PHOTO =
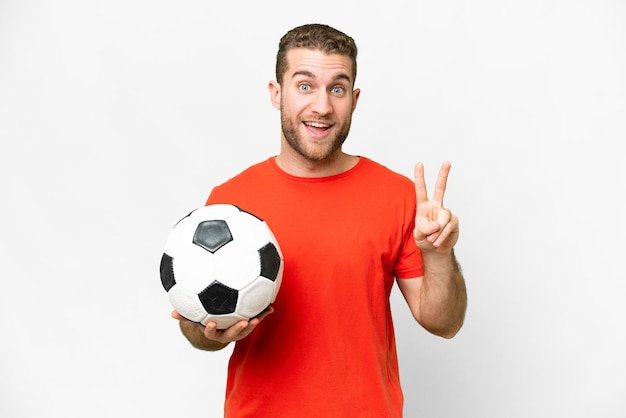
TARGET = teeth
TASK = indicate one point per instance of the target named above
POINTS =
(317, 125)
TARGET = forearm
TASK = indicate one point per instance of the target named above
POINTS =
(194, 332)
(443, 296)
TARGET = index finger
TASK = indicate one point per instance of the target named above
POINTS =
(442, 181)
(420, 184)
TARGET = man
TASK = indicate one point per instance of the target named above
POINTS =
(347, 227)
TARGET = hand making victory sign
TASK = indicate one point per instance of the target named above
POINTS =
(436, 228)
(438, 299)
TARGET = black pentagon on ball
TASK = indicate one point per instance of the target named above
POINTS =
(212, 235)
(219, 299)
(270, 261)
(167, 272)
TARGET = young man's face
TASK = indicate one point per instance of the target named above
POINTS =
(316, 100)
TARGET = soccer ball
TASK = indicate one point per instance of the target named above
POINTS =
(221, 264)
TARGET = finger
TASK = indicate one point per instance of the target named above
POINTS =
(210, 331)
(435, 232)
(426, 230)
(176, 315)
(252, 324)
(443, 221)
(448, 235)
(420, 184)
(225, 335)
(265, 312)
(442, 180)
(443, 217)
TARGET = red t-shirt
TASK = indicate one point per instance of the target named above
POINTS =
(329, 349)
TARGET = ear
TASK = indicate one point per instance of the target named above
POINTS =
(274, 89)
(355, 98)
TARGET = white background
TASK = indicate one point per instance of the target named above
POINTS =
(117, 117)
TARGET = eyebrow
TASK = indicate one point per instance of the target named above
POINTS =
(309, 74)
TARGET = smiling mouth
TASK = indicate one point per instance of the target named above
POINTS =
(317, 125)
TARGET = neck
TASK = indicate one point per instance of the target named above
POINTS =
(301, 167)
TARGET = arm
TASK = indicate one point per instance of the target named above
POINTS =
(438, 300)
(209, 338)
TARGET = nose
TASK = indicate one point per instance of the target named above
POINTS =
(321, 103)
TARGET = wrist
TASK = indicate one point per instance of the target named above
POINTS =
(442, 260)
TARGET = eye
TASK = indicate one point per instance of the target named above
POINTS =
(338, 90)
(304, 87)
